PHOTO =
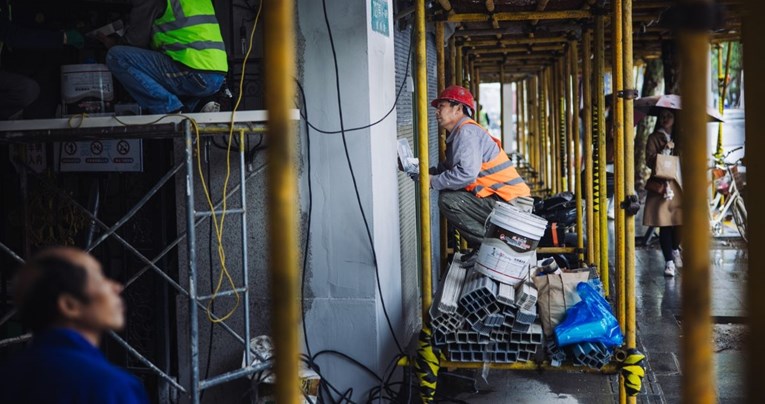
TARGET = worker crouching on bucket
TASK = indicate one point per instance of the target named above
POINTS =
(476, 173)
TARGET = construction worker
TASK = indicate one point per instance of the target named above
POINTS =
(65, 299)
(483, 117)
(18, 91)
(476, 173)
(171, 56)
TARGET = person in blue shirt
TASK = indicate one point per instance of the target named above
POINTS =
(64, 297)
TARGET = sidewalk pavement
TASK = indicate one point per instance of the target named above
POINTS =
(659, 335)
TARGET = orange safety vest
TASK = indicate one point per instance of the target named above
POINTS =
(497, 176)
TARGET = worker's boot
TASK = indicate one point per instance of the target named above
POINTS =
(220, 101)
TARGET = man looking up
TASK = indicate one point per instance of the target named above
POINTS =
(476, 173)
(64, 298)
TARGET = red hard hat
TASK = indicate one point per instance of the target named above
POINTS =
(456, 94)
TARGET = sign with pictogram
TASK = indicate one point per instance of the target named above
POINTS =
(96, 147)
(121, 155)
(123, 147)
(70, 148)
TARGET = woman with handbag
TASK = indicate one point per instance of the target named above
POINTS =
(663, 204)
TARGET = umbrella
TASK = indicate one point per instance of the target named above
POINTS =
(652, 105)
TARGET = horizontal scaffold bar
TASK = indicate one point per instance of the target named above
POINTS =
(520, 16)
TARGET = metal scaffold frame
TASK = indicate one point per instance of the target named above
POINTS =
(187, 128)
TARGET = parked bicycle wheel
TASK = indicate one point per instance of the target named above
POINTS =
(739, 216)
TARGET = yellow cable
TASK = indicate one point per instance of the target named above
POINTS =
(218, 226)
(82, 117)
(219, 229)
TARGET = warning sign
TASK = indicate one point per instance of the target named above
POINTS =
(122, 155)
(96, 147)
(30, 155)
(123, 147)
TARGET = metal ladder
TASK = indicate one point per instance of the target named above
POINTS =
(195, 301)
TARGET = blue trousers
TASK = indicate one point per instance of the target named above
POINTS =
(157, 82)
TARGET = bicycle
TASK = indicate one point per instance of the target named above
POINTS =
(725, 195)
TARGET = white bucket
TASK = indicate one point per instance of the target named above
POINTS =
(519, 230)
(86, 88)
(498, 261)
(524, 203)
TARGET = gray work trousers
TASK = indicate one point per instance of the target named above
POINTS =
(466, 212)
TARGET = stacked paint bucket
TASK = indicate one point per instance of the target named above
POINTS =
(510, 242)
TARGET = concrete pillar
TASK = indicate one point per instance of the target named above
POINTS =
(344, 308)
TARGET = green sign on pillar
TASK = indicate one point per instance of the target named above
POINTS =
(380, 17)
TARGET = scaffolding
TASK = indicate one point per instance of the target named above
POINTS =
(187, 128)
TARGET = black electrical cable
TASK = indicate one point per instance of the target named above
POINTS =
(353, 178)
(326, 387)
(393, 108)
(308, 222)
(210, 260)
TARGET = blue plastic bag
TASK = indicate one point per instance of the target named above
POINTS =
(590, 320)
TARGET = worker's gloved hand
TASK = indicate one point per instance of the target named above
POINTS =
(107, 41)
(415, 177)
(74, 38)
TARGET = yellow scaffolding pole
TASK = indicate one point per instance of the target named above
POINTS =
(283, 196)
(421, 108)
(460, 77)
(441, 78)
(536, 107)
(577, 166)
(468, 77)
(522, 49)
(502, 108)
(608, 369)
(472, 78)
(554, 128)
(754, 31)
(619, 190)
(587, 120)
(618, 130)
(520, 16)
(561, 140)
(600, 120)
(722, 83)
(525, 115)
(522, 135)
(477, 80)
(531, 100)
(452, 61)
(629, 181)
(499, 43)
(698, 381)
(546, 115)
(542, 123)
(569, 106)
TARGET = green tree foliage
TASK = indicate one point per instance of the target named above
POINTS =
(733, 93)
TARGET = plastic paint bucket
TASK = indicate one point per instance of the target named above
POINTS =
(498, 261)
(521, 231)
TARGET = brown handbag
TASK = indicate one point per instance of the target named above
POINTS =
(656, 186)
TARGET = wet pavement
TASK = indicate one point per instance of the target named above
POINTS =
(659, 320)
